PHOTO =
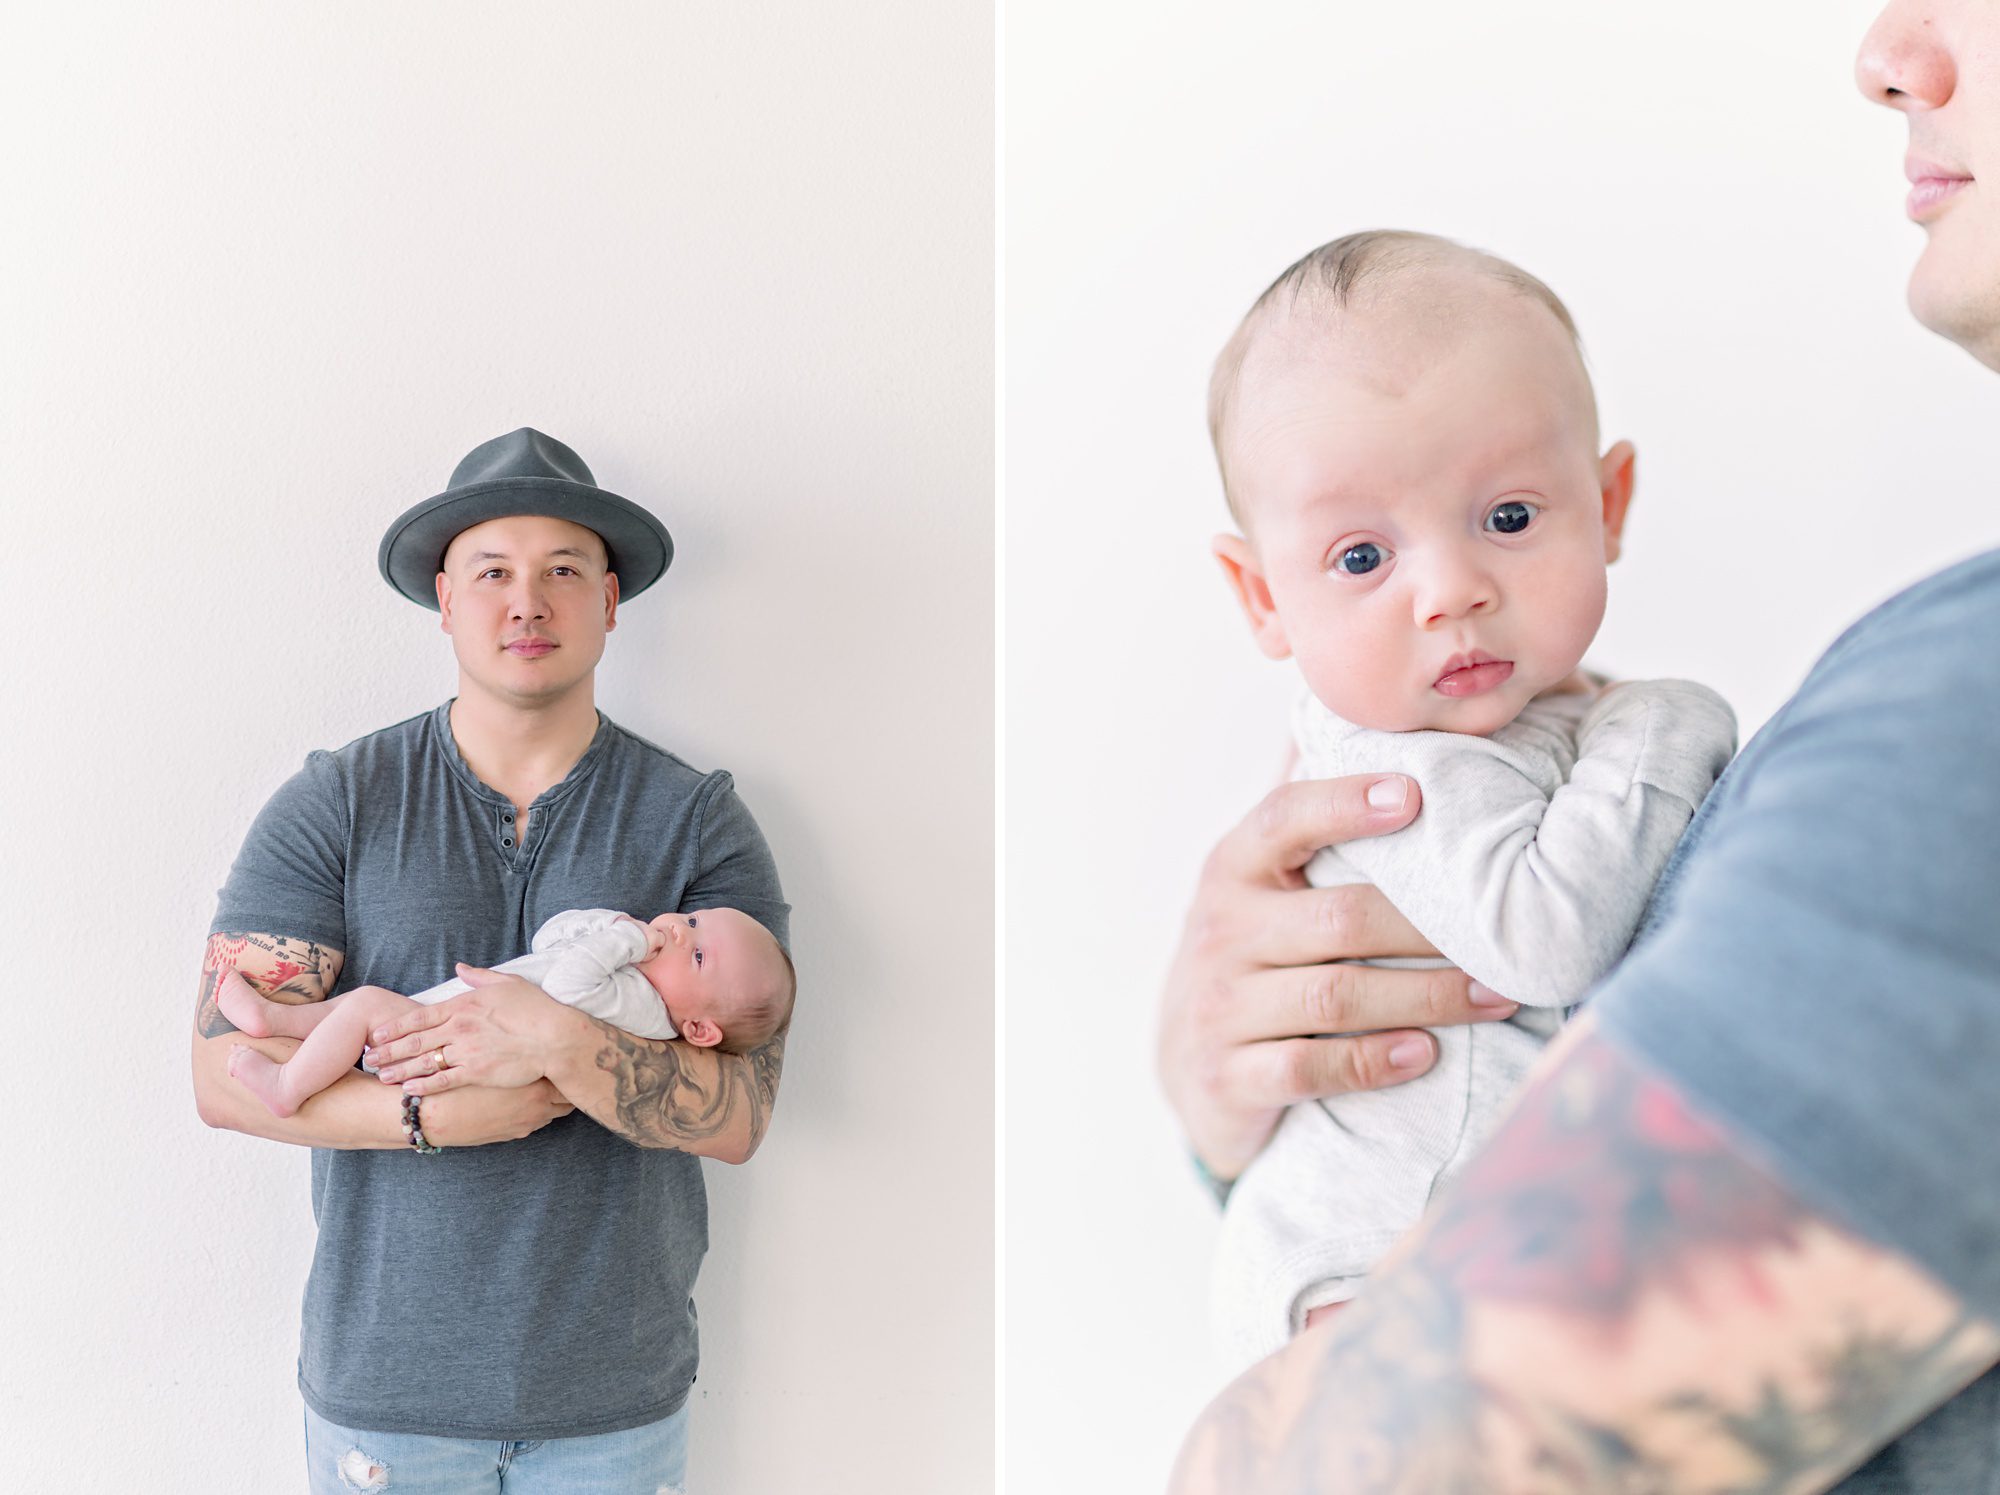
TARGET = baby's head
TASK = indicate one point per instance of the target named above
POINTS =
(1408, 441)
(726, 983)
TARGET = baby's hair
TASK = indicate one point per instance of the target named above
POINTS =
(763, 1018)
(1331, 277)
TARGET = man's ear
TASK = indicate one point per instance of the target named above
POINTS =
(700, 1032)
(443, 584)
(1245, 575)
(1616, 473)
(610, 600)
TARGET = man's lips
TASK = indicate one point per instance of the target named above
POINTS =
(530, 648)
(1472, 674)
(1931, 186)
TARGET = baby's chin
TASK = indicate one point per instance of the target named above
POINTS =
(1480, 716)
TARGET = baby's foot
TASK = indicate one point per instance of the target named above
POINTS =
(242, 1006)
(262, 1077)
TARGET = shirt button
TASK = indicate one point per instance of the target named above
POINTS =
(509, 818)
(507, 841)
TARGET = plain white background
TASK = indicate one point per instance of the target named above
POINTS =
(1722, 213)
(268, 273)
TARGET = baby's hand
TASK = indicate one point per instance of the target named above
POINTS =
(655, 940)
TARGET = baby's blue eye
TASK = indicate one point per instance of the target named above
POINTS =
(690, 921)
(697, 955)
(1510, 518)
(1359, 560)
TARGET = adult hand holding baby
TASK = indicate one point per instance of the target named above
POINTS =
(500, 1033)
(1254, 981)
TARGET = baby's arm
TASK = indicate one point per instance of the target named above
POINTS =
(1539, 897)
(595, 974)
(573, 924)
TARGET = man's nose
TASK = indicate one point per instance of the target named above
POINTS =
(528, 602)
(1903, 63)
(1452, 589)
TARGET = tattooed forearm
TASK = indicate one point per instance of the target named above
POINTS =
(1612, 1299)
(663, 1096)
(283, 969)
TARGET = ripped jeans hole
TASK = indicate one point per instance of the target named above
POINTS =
(359, 1472)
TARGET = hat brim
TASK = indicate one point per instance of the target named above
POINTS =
(412, 551)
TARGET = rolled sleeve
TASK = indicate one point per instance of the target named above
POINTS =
(290, 876)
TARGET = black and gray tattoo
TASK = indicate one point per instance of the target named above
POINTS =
(662, 1101)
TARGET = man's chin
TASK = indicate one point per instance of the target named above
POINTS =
(1961, 304)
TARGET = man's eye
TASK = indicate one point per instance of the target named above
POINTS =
(489, 571)
(1510, 518)
(1359, 560)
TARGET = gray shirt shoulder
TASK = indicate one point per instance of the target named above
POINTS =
(1821, 969)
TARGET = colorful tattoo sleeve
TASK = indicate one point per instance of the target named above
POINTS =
(1611, 1299)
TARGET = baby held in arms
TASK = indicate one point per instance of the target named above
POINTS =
(1408, 442)
(714, 978)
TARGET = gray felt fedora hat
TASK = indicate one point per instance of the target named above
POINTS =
(523, 472)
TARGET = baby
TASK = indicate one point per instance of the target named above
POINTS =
(715, 978)
(1408, 441)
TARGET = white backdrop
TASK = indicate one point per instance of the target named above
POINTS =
(1723, 214)
(266, 273)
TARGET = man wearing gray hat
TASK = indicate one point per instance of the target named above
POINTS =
(498, 1282)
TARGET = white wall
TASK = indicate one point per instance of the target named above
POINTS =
(268, 273)
(1723, 214)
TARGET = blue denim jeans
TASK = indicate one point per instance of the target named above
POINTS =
(649, 1460)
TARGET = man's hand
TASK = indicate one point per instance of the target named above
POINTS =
(474, 1117)
(499, 1033)
(1252, 983)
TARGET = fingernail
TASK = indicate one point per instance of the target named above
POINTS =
(1388, 794)
(380, 1035)
(1409, 1053)
(1485, 996)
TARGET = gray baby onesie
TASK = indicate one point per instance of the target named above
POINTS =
(1528, 866)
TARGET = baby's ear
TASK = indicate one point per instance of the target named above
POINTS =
(1245, 575)
(1617, 471)
(700, 1032)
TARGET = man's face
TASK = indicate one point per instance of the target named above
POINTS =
(1938, 63)
(527, 602)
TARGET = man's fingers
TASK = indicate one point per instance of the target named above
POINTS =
(1306, 926)
(412, 1046)
(1294, 820)
(444, 1079)
(416, 1021)
(1303, 1069)
(1310, 1001)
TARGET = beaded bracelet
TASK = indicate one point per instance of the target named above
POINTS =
(1218, 1188)
(413, 1126)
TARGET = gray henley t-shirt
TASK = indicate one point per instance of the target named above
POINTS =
(531, 1289)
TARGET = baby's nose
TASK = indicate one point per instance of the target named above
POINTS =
(677, 931)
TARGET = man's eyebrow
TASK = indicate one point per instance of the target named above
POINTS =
(496, 555)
